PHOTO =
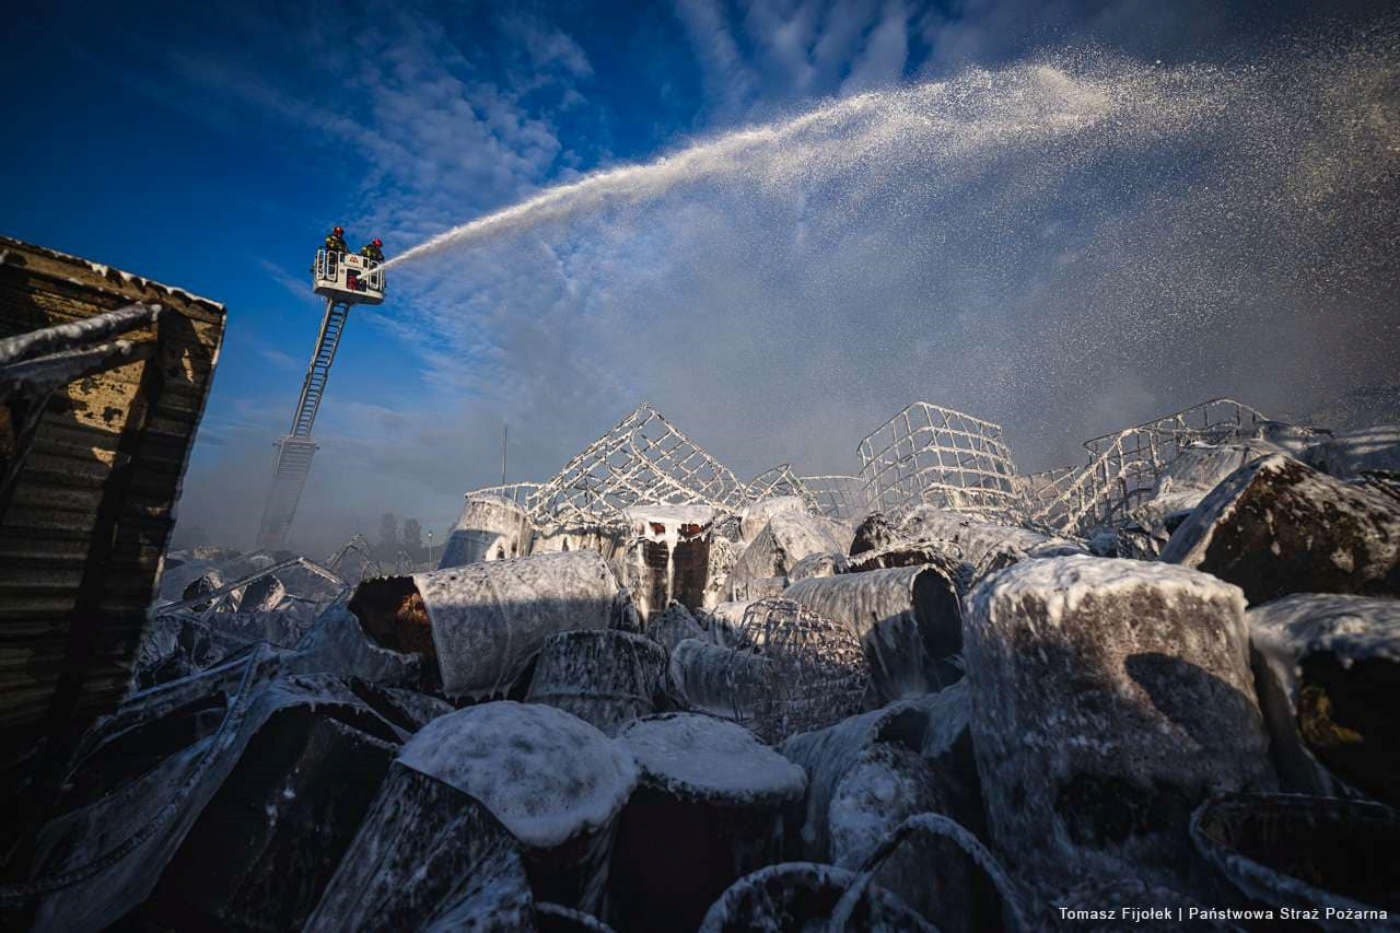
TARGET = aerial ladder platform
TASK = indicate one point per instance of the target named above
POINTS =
(344, 280)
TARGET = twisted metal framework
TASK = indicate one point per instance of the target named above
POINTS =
(843, 497)
(643, 460)
(927, 455)
(1124, 467)
(814, 671)
(780, 481)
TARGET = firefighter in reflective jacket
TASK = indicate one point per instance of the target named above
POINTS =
(373, 250)
(335, 242)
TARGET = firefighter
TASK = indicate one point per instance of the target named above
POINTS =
(373, 250)
(335, 243)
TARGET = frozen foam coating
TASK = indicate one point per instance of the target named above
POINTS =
(701, 756)
(546, 775)
(1062, 583)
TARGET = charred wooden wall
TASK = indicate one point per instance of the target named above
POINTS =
(92, 508)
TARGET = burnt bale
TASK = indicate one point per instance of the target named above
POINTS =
(803, 896)
(603, 677)
(555, 782)
(786, 539)
(428, 856)
(1109, 698)
(1277, 526)
(704, 815)
(674, 626)
(968, 537)
(1328, 669)
(875, 533)
(909, 621)
(915, 554)
(222, 802)
(481, 625)
(757, 516)
(1307, 853)
(1348, 456)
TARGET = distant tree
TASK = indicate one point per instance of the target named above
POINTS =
(388, 536)
(413, 540)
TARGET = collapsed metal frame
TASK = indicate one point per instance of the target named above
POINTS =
(930, 455)
(1124, 466)
(642, 460)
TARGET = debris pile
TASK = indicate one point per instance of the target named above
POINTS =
(644, 695)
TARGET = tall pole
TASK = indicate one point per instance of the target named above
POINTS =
(505, 433)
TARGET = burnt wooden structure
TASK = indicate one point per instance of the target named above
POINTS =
(103, 380)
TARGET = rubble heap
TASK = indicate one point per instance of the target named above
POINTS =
(646, 696)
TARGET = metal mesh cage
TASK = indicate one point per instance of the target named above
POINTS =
(927, 455)
(813, 670)
(644, 459)
(842, 497)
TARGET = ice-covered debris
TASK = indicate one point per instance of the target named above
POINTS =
(787, 538)
(802, 896)
(1109, 697)
(699, 757)
(1277, 526)
(755, 518)
(546, 775)
(232, 739)
(968, 537)
(491, 527)
(818, 565)
(907, 618)
(668, 557)
(336, 643)
(486, 621)
(1328, 668)
(674, 626)
(885, 785)
(1190, 477)
(911, 554)
(604, 677)
(875, 532)
(1307, 854)
(1348, 455)
(427, 856)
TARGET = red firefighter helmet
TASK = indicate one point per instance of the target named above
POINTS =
(338, 231)
(376, 242)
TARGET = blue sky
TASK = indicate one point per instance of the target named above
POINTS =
(212, 145)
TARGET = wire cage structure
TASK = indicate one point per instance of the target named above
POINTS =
(780, 481)
(1124, 467)
(929, 455)
(846, 498)
(794, 670)
(643, 460)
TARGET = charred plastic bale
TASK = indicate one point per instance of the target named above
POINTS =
(876, 532)
(802, 896)
(491, 528)
(965, 536)
(603, 677)
(428, 855)
(757, 516)
(338, 644)
(726, 619)
(1347, 456)
(788, 670)
(887, 784)
(1109, 698)
(215, 808)
(674, 626)
(484, 623)
(704, 815)
(908, 619)
(1307, 853)
(934, 726)
(786, 539)
(915, 554)
(818, 565)
(669, 558)
(1189, 478)
(1328, 670)
(1277, 527)
(555, 782)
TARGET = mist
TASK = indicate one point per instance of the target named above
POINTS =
(1067, 245)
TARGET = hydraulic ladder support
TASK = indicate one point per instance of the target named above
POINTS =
(295, 450)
